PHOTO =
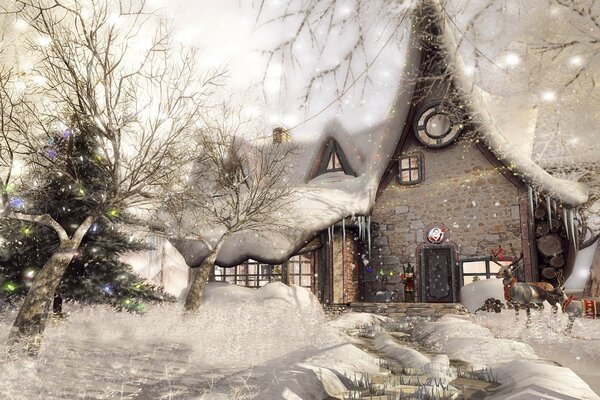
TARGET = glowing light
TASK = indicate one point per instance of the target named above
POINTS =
(20, 86)
(9, 287)
(548, 95)
(21, 25)
(512, 59)
(113, 212)
(26, 230)
(576, 61)
(44, 41)
(29, 274)
(38, 80)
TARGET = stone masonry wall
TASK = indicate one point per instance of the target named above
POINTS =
(461, 191)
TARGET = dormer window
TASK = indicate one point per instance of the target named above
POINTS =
(334, 160)
(410, 170)
(334, 163)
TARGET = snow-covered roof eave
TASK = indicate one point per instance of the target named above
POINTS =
(570, 193)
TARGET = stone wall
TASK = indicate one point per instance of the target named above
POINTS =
(462, 191)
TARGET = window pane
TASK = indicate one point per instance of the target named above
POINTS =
(404, 163)
(414, 162)
(252, 281)
(218, 271)
(294, 279)
(252, 269)
(230, 279)
(336, 161)
(241, 269)
(294, 268)
(405, 176)
(276, 278)
(305, 280)
(414, 175)
(265, 270)
(472, 267)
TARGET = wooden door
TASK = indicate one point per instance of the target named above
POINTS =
(438, 275)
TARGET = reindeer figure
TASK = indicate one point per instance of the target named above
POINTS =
(519, 294)
(577, 308)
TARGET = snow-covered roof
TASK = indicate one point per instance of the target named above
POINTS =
(506, 124)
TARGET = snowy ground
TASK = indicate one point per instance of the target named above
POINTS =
(275, 343)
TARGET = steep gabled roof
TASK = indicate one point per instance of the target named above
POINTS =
(321, 202)
(495, 129)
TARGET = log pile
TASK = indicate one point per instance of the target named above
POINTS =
(552, 241)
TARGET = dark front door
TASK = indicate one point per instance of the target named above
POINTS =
(437, 275)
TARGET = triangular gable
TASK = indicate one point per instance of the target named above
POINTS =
(334, 160)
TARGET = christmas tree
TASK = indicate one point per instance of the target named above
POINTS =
(96, 274)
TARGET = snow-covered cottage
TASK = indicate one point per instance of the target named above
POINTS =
(411, 207)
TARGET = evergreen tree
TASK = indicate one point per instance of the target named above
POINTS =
(95, 275)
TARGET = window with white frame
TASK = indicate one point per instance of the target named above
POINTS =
(475, 269)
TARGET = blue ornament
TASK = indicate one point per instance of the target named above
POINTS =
(107, 289)
(369, 269)
(66, 134)
(51, 153)
(17, 202)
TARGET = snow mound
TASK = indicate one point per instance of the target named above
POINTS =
(473, 295)
(483, 352)
(347, 359)
(274, 292)
(448, 327)
(525, 377)
(409, 358)
(462, 339)
(294, 295)
(353, 320)
(220, 292)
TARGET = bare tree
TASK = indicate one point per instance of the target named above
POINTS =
(122, 82)
(239, 183)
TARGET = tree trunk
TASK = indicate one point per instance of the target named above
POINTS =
(193, 300)
(26, 333)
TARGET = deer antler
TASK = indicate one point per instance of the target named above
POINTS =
(495, 255)
(514, 253)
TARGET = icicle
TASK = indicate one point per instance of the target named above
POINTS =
(565, 222)
(332, 233)
(362, 227)
(572, 225)
(369, 235)
(344, 231)
(329, 235)
(548, 208)
(530, 196)
(554, 206)
(535, 195)
(359, 220)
